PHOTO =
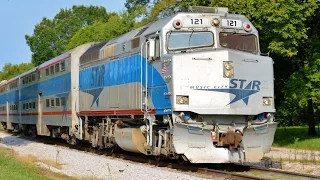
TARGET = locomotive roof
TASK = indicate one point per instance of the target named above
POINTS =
(142, 31)
(92, 52)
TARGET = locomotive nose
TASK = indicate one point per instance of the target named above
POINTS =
(231, 82)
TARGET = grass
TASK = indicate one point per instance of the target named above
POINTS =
(13, 166)
(296, 137)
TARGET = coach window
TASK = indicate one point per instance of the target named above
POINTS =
(52, 102)
(57, 102)
(30, 106)
(33, 77)
(30, 80)
(62, 65)
(57, 68)
(47, 72)
(47, 103)
(24, 106)
(34, 105)
(51, 70)
(63, 101)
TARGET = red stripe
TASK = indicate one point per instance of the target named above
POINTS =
(29, 114)
(43, 113)
(28, 74)
(115, 112)
(40, 68)
(54, 62)
(57, 112)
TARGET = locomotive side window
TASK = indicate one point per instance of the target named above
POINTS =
(189, 39)
(154, 48)
(238, 41)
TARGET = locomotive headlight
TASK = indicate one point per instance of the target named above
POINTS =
(215, 21)
(182, 99)
(228, 71)
(267, 101)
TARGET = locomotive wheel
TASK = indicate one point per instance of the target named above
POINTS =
(181, 161)
(158, 158)
(113, 149)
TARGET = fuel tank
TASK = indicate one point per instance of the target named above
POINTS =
(130, 139)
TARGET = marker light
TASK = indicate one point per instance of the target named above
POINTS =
(177, 24)
(216, 21)
(228, 71)
(247, 26)
(182, 99)
(267, 101)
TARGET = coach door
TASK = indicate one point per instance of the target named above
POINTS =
(40, 109)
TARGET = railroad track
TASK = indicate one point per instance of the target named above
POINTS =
(211, 171)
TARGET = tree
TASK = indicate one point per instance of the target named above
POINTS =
(11, 70)
(100, 31)
(288, 29)
(51, 37)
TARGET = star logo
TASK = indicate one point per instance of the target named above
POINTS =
(241, 93)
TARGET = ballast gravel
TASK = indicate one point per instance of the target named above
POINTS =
(87, 165)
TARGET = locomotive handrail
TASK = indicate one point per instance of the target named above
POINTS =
(141, 59)
(146, 70)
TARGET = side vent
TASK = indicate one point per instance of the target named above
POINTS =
(108, 51)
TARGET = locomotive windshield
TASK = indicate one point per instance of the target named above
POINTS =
(238, 41)
(190, 39)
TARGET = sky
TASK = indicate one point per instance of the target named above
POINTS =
(19, 17)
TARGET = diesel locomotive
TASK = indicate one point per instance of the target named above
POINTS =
(193, 86)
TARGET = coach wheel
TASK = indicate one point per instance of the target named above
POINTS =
(32, 131)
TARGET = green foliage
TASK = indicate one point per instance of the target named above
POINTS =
(13, 169)
(51, 37)
(295, 137)
(100, 31)
(137, 8)
(281, 24)
(11, 70)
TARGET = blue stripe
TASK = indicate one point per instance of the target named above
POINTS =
(126, 71)
(56, 85)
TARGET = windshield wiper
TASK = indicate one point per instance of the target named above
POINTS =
(190, 39)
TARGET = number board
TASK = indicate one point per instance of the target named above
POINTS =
(231, 23)
(196, 22)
